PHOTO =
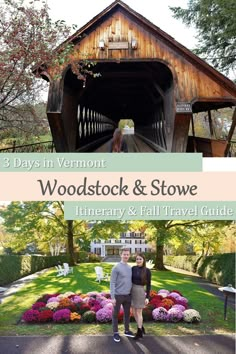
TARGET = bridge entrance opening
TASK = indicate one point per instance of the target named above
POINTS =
(139, 90)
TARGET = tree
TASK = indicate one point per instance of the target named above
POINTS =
(206, 238)
(216, 30)
(28, 42)
(27, 37)
(43, 224)
(161, 231)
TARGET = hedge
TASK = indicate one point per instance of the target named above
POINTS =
(15, 267)
(188, 263)
(148, 255)
(219, 269)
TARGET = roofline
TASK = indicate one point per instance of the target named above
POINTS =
(193, 58)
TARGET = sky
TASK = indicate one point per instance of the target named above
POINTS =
(157, 11)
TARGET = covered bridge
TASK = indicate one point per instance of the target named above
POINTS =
(146, 76)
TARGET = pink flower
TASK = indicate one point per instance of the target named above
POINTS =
(174, 315)
(159, 314)
(104, 315)
(31, 316)
(38, 305)
(62, 316)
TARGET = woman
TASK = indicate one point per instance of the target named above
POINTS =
(117, 143)
(141, 276)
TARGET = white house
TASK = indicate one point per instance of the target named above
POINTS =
(135, 241)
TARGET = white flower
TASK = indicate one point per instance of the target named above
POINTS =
(191, 315)
(52, 305)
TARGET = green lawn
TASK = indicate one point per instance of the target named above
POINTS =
(83, 280)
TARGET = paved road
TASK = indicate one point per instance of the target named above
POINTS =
(212, 344)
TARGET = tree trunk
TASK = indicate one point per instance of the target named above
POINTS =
(159, 261)
(70, 242)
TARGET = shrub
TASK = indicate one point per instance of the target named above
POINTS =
(104, 315)
(62, 316)
(219, 269)
(82, 308)
(159, 314)
(174, 315)
(147, 314)
(75, 317)
(13, 267)
(31, 316)
(45, 316)
(89, 317)
(191, 316)
(38, 305)
(94, 258)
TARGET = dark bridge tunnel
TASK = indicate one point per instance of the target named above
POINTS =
(141, 91)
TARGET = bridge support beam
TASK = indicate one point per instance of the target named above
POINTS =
(181, 129)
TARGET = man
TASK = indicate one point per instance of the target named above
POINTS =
(120, 286)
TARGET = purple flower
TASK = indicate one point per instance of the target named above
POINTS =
(31, 316)
(174, 295)
(106, 294)
(104, 315)
(179, 307)
(38, 305)
(62, 316)
(53, 299)
(96, 307)
(174, 315)
(182, 301)
(159, 314)
(109, 306)
(77, 299)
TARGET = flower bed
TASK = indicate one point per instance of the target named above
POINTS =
(164, 305)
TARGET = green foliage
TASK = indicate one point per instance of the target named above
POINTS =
(219, 269)
(188, 263)
(93, 258)
(148, 255)
(216, 30)
(82, 256)
(41, 223)
(16, 267)
(106, 229)
(124, 122)
(89, 317)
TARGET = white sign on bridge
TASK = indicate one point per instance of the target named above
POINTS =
(183, 107)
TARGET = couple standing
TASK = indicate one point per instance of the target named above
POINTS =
(127, 289)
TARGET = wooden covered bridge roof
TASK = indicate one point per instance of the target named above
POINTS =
(144, 72)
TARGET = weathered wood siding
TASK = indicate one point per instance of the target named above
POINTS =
(191, 81)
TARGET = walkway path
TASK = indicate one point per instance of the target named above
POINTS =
(16, 285)
(76, 344)
(210, 287)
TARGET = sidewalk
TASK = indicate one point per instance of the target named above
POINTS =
(16, 285)
(76, 344)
